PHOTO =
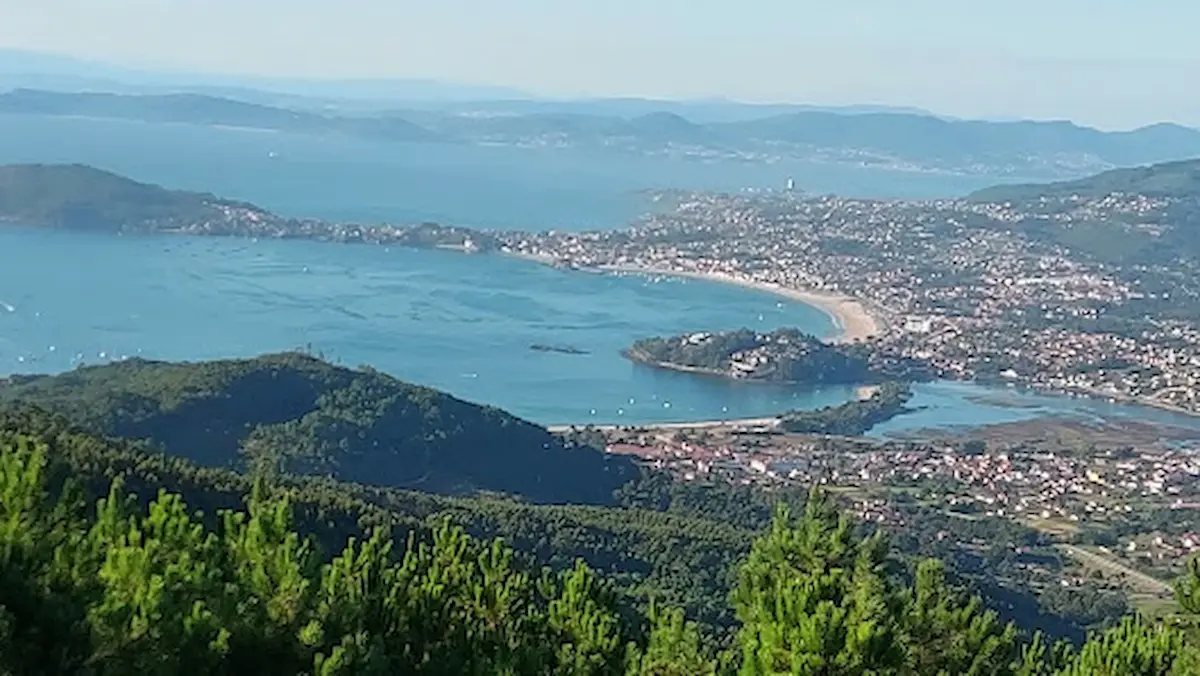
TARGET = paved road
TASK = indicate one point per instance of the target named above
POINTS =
(1142, 581)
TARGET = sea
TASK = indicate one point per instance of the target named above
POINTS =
(463, 323)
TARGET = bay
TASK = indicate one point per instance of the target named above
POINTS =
(459, 323)
(339, 178)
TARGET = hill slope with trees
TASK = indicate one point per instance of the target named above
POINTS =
(118, 587)
(1166, 179)
(297, 414)
(79, 197)
(1140, 216)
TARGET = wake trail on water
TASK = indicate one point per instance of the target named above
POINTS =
(6, 307)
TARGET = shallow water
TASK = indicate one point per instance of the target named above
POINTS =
(457, 322)
(460, 323)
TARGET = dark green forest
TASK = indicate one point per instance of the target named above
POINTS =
(120, 585)
(296, 414)
(854, 417)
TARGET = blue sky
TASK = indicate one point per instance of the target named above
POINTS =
(1110, 63)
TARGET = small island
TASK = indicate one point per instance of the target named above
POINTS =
(782, 356)
(786, 355)
(790, 356)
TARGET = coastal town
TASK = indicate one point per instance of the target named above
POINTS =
(1134, 505)
(957, 284)
(970, 289)
(966, 287)
(975, 289)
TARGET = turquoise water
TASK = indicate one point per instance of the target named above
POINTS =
(949, 404)
(459, 323)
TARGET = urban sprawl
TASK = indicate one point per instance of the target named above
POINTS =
(955, 283)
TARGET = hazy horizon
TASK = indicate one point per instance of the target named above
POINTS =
(1102, 63)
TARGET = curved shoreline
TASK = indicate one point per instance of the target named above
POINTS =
(852, 320)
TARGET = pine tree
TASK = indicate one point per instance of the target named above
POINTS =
(815, 599)
(584, 619)
(273, 569)
(1135, 647)
(674, 648)
(163, 592)
(953, 635)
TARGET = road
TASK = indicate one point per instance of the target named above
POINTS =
(1141, 581)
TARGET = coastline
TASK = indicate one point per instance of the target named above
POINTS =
(852, 320)
(758, 423)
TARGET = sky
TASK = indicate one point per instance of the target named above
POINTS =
(1107, 63)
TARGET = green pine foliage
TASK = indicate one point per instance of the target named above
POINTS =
(121, 590)
(122, 587)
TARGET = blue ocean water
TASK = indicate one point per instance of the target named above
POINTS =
(460, 323)
(348, 179)
(457, 322)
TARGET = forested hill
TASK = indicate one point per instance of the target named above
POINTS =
(151, 586)
(79, 197)
(1168, 179)
(298, 414)
(1144, 216)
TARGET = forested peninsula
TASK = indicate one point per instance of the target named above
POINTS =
(82, 198)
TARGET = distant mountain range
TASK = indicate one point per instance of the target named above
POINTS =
(24, 69)
(32, 70)
(886, 137)
(902, 141)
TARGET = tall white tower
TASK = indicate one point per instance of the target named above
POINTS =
(791, 185)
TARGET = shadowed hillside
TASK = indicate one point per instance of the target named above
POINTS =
(298, 414)
(79, 197)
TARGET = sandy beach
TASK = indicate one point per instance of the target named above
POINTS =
(852, 319)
